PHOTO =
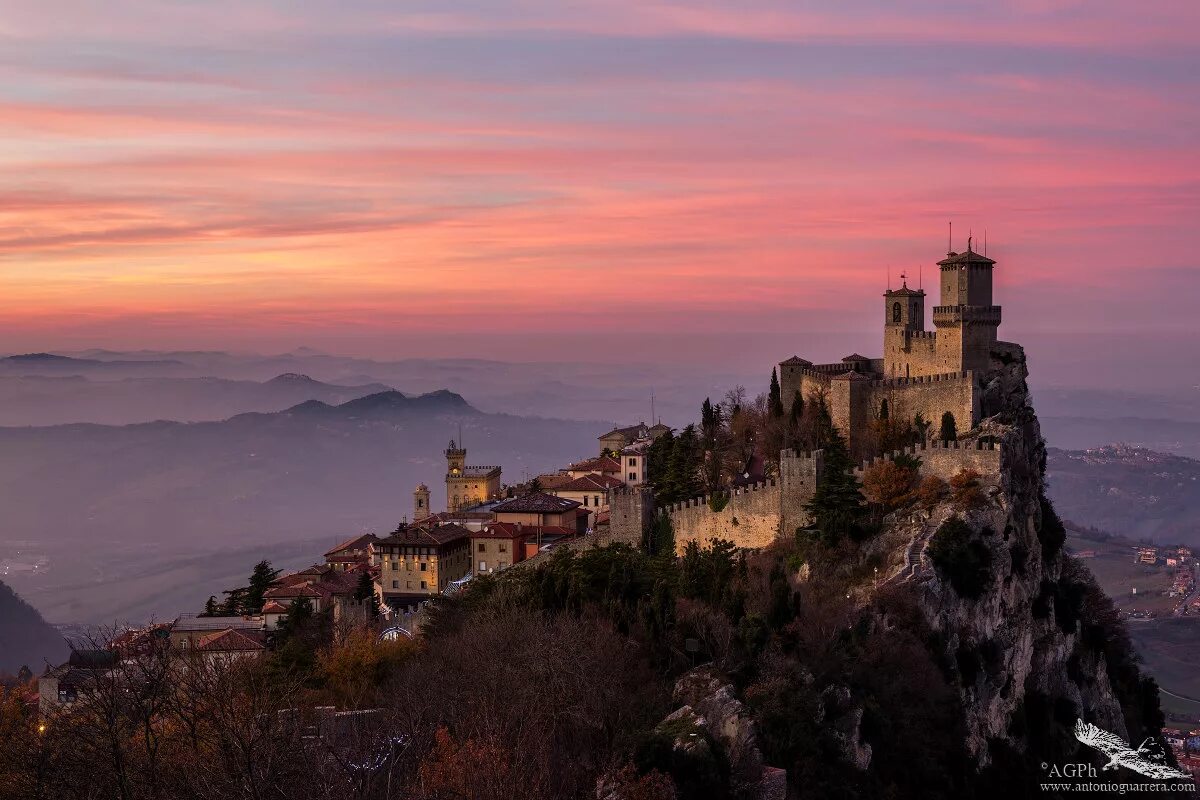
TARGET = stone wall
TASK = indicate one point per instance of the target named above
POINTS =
(929, 395)
(798, 474)
(750, 518)
(947, 459)
(630, 510)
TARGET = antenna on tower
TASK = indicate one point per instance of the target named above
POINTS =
(921, 277)
(653, 421)
(985, 241)
(889, 277)
(461, 446)
(950, 239)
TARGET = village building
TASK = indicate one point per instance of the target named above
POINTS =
(601, 465)
(497, 547)
(417, 562)
(543, 509)
(618, 439)
(231, 645)
(590, 491)
(351, 552)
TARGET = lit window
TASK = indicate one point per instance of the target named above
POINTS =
(483, 566)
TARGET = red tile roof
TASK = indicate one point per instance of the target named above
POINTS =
(232, 640)
(511, 530)
(274, 607)
(593, 482)
(597, 464)
(357, 543)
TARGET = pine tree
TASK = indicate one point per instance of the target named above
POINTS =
(683, 471)
(235, 601)
(949, 431)
(260, 580)
(775, 398)
(837, 506)
(211, 608)
(658, 459)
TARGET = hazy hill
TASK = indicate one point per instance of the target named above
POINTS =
(45, 399)
(1127, 490)
(103, 502)
(25, 638)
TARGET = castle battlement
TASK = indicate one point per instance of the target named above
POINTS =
(704, 499)
(929, 335)
(965, 375)
(946, 459)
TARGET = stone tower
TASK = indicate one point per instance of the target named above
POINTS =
(421, 507)
(456, 459)
(966, 320)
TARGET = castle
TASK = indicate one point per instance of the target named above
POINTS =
(930, 373)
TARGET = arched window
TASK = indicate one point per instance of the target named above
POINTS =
(896, 313)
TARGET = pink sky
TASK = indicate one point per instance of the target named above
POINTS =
(267, 175)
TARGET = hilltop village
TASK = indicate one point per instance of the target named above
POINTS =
(921, 400)
(714, 603)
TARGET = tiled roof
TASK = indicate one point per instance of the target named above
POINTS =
(597, 464)
(904, 291)
(274, 607)
(966, 257)
(855, 357)
(292, 592)
(553, 480)
(797, 361)
(536, 503)
(231, 640)
(509, 530)
(357, 543)
(426, 536)
(593, 482)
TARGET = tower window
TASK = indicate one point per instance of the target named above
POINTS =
(897, 313)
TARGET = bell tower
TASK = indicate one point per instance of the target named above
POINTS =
(421, 508)
(903, 321)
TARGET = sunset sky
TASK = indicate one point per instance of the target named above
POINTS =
(371, 176)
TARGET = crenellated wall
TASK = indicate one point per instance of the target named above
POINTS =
(947, 459)
(750, 518)
(630, 510)
(929, 395)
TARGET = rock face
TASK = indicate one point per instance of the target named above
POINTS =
(1006, 642)
(708, 704)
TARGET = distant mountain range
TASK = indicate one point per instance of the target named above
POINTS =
(105, 503)
(1131, 491)
(66, 394)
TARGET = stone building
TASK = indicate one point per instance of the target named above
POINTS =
(465, 485)
(924, 372)
(417, 562)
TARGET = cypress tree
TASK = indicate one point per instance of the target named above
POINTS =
(775, 398)
(949, 432)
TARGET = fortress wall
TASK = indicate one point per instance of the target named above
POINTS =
(930, 395)
(629, 513)
(798, 473)
(750, 518)
(805, 379)
(947, 459)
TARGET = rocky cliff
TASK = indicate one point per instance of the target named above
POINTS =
(1033, 644)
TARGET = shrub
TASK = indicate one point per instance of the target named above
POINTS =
(961, 558)
(931, 491)
(967, 490)
(717, 502)
(888, 484)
